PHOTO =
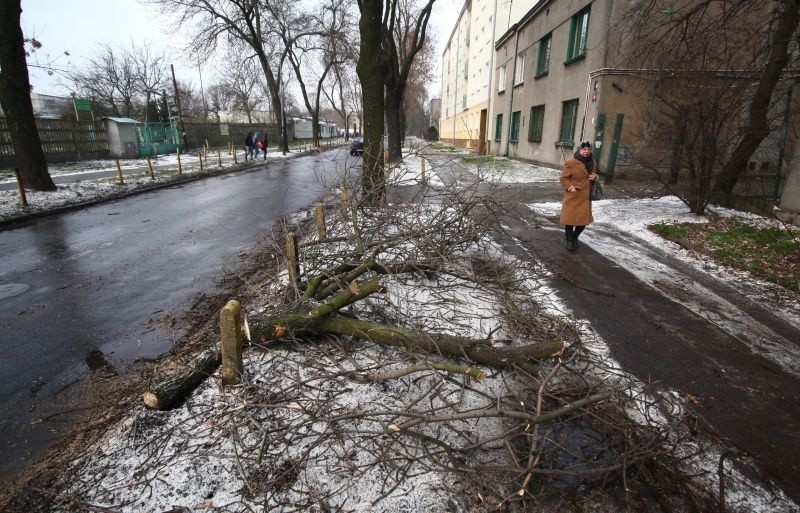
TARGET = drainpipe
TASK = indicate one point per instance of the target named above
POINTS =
(784, 132)
(458, 74)
(511, 96)
(491, 81)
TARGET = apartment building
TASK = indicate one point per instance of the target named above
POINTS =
(468, 67)
(564, 71)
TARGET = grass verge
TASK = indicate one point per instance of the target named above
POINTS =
(770, 253)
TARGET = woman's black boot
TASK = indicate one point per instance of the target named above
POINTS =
(569, 242)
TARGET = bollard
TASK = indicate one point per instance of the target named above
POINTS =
(150, 167)
(230, 330)
(423, 169)
(320, 217)
(235, 160)
(293, 261)
(200, 156)
(119, 173)
(219, 157)
(22, 197)
(180, 169)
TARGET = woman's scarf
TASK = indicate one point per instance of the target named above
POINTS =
(587, 161)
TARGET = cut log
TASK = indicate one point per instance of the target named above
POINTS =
(170, 391)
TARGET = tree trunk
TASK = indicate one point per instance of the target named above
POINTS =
(394, 124)
(15, 98)
(758, 127)
(172, 390)
(371, 69)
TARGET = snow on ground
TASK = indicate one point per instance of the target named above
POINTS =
(189, 457)
(79, 191)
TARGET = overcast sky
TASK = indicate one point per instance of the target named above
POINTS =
(79, 27)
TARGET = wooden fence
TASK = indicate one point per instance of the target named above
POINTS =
(62, 140)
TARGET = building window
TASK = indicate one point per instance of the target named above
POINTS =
(578, 34)
(514, 134)
(498, 127)
(543, 60)
(501, 79)
(569, 116)
(536, 123)
(519, 69)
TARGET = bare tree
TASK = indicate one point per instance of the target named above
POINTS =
(405, 37)
(373, 65)
(151, 72)
(342, 89)
(749, 44)
(15, 99)
(245, 22)
(110, 80)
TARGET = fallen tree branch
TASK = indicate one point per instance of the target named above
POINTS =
(399, 373)
(479, 351)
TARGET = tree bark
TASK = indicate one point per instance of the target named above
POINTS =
(758, 127)
(15, 98)
(371, 69)
(170, 391)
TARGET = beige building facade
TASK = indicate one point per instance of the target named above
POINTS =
(468, 68)
(566, 71)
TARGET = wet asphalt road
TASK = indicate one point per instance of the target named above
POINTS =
(100, 286)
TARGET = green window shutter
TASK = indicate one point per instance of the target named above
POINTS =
(569, 115)
(578, 35)
(514, 134)
(498, 127)
(543, 60)
(536, 124)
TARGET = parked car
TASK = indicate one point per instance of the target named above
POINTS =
(357, 146)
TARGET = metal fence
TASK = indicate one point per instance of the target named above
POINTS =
(156, 138)
(62, 139)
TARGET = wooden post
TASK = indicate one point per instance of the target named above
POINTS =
(219, 157)
(150, 167)
(21, 186)
(293, 261)
(200, 156)
(320, 216)
(180, 169)
(235, 160)
(230, 329)
(423, 169)
(119, 173)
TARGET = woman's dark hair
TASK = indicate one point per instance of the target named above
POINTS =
(586, 144)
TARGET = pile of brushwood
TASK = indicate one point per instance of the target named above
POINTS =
(398, 360)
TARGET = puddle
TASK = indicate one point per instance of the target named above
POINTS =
(12, 289)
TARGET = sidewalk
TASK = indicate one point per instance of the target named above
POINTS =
(727, 351)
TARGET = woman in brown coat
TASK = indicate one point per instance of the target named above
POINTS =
(576, 209)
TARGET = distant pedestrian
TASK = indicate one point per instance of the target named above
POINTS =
(248, 145)
(265, 140)
(576, 209)
(257, 144)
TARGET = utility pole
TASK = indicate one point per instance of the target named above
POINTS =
(178, 104)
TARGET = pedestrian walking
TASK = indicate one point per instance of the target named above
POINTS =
(248, 145)
(257, 143)
(265, 141)
(576, 209)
